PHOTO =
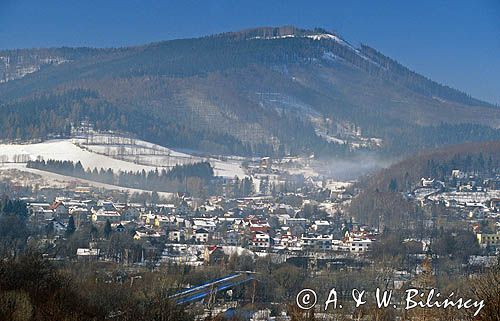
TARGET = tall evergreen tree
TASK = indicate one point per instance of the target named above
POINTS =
(70, 228)
(107, 229)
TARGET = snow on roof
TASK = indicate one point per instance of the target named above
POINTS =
(87, 252)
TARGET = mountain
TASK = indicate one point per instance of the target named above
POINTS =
(262, 91)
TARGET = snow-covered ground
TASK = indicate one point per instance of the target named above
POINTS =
(19, 173)
(119, 157)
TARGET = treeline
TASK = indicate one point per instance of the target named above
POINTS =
(410, 138)
(240, 187)
(176, 179)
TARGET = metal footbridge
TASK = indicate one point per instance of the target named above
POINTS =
(210, 288)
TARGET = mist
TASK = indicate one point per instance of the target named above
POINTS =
(353, 168)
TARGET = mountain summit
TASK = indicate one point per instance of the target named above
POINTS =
(276, 33)
(262, 91)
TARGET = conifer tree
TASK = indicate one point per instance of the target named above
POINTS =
(70, 228)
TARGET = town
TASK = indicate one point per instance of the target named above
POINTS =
(310, 222)
(192, 231)
(291, 221)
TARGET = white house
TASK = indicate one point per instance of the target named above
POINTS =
(358, 245)
(261, 240)
(316, 242)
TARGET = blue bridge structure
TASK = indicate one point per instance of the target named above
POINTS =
(210, 288)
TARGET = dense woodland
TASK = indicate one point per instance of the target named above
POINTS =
(13, 228)
(412, 138)
(52, 116)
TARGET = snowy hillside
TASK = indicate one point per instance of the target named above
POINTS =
(118, 156)
(19, 174)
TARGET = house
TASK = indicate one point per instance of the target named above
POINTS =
(261, 240)
(80, 215)
(120, 228)
(265, 163)
(291, 222)
(239, 225)
(357, 243)
(87, 254)
(477, 262)
(41, 215)
(213, 254)
(285, 239)
(495, 204)
(175, 235)
(321, 226)
(40, 211)
(130, 213)
(151, 219)
(34, 207)
(202, 223)
(426, 182)
(166, 209)
(259, 227)
(316, 242)
(339, 245)
(487, 240)
(201, 235)
(101, 216)
(457, 174)
(360, 245)
(60, 210)
(345, 195)
(105, 211)
(163, 221)
(146, 235)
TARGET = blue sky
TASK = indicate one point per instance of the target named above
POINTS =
(455, 42)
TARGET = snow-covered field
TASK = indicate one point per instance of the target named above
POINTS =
(19, 173)
(119, 157)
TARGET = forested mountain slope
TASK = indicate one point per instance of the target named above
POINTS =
(264, 91)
